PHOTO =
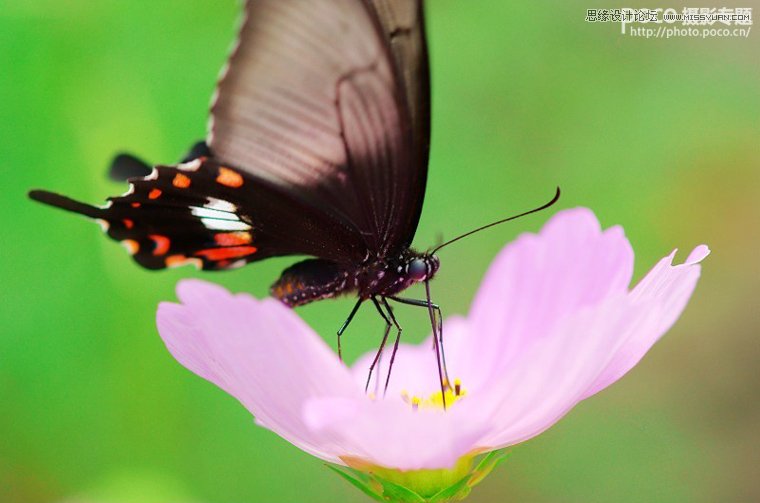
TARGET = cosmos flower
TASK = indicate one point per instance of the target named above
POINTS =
(553, 323)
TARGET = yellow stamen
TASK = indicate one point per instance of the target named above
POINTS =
(436, 400)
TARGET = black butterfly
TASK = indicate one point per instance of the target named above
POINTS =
(318, 146)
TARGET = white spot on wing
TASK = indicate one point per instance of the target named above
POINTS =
(218, 220)
(193, 165)
(225, 225)
(219, 205)
(152, 176)
(212, 213)
(129, 192)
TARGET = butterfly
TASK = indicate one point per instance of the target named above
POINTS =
(318, 145)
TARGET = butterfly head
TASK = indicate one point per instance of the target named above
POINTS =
(422, 267)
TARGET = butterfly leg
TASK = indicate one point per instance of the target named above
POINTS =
(382, 343)
(436, 321)
(395, 344)
(437, 328)
(346, 323)
(425, 304)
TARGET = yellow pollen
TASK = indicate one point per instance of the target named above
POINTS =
(436, 399)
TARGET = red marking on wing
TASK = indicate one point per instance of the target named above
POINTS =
(154, 194)
(227, 253)
(181, 181)
(162, 244)
(229, 178)
(136, 205)
(232, 238)
(128, 223)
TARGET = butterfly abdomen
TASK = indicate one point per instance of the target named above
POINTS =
(312, 280)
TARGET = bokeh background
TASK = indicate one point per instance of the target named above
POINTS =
(660, 136)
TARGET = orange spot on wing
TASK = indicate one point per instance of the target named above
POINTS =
(179, 260)
(175, 260)
(227, 253)
(135, 205)
(229, 178)
(232, 238)
(162, 244)
(131, 245)
(154, 194)
(128, 223)
(181, 181)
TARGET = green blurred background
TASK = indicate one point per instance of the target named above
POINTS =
(660, 136)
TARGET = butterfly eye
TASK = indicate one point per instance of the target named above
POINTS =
(417, 269)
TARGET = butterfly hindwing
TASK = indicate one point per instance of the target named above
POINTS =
(212, 216)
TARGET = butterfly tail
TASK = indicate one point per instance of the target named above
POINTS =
(66, 203)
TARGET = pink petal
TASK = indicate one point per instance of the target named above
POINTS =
(553, 374)
(390, 433)
(537, 281)
(697, 255)
(261, 353)
(666, 289)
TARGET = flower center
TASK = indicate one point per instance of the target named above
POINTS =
(436, 400)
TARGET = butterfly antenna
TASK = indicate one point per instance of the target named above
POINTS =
(492, 224)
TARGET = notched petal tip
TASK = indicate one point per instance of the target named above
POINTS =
(665, 292)
(698, 254)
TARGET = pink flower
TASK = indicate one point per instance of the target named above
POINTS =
(552, 324)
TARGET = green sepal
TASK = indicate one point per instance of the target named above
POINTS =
(398, 493)
(486, 465)
(381, 488)
(456, 492)
(363, 483)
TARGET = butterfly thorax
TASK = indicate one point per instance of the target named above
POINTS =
(316, 279)
(391, 276)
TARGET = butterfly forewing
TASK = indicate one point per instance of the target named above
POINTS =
(404, 26)
(313, 101)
